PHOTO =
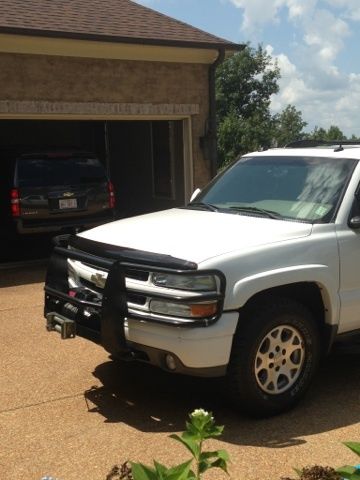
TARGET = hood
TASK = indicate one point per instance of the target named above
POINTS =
(195, 235)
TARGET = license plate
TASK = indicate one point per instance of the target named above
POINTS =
(67, 203)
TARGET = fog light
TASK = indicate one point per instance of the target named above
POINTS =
(170, 362)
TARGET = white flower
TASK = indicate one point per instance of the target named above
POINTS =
(200, 412)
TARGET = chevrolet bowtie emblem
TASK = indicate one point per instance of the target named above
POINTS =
(68, 194)
(98, 279)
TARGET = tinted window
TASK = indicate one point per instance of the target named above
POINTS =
(301, 188)
(37, 172)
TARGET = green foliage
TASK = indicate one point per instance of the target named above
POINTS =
(160, 472)
(289, 126)
(354, 446)
(245, 82)
(333, 133)
(200, 427)
(350, 472)
(244, 85)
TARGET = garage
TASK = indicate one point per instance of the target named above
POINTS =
(143, 159)
(134, 87)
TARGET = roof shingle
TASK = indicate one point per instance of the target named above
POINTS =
(111, 20)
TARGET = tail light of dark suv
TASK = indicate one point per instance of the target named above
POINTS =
(15, 202)
(111, 195)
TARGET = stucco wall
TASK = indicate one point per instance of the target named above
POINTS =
(69, 79)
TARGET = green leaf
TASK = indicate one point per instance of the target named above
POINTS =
(223, 454)
(161, 470)
(214, 431)
(188, 442)
(220, 463)
(192, 430)
(346, 471)
(349, 472)
(142, 472)
(215, 459)
(354, 446)
(205, 465)
(298, 471)
(179, 472)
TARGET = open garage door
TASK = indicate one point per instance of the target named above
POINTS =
(144, 159)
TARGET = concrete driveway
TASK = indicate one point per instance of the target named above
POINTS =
(66, 410)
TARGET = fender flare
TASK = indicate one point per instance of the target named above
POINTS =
(319, 274)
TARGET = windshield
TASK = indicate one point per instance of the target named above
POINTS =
(44, 172)
(297, 188)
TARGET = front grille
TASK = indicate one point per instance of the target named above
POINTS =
(90, 285)
(136, 299)
(137, 274)
(141, 275)
(131, 298)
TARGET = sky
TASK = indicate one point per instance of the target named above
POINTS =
(316, 44)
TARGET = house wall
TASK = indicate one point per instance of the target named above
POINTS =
(72, 79)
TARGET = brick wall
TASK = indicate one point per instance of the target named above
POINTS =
(70, 79)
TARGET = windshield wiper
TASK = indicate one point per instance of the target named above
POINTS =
(250, 209)
(205, 206)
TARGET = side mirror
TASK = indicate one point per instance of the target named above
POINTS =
(354, 222)
(195, 194)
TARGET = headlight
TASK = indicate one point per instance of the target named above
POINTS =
(198, 283)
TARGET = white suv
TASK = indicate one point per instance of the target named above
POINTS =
(253, 280)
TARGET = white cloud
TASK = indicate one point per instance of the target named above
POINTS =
(350, 8)
(320, 105)
(310, 77)
(257, 13)
(325, 34)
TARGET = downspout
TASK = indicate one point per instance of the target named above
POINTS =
(211, 133)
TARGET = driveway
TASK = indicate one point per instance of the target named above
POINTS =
(68, 411)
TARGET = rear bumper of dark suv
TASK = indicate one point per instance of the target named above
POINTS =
(31, 226)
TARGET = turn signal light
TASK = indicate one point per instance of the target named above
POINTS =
(15, 202)
(203, 310)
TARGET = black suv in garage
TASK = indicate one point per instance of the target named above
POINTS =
(53, 190)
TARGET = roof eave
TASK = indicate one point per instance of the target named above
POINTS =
(230, 46)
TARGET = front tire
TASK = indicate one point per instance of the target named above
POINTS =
(275, 354)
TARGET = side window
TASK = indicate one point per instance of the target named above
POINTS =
(355, 209)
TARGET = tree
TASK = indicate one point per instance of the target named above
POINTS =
(289, 126)
(333, 133)
(244, 85)
(354, 138)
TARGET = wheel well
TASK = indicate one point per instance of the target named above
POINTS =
(306, 293)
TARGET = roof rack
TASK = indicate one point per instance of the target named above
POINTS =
(319, 143)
